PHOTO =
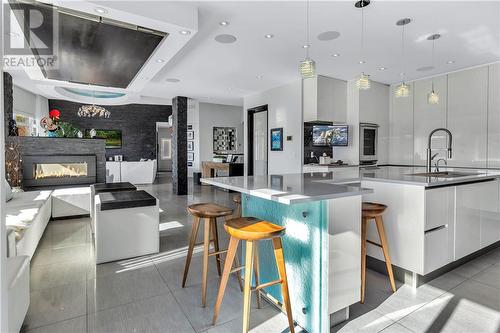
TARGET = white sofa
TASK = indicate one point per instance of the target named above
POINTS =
(139, 172)
(27, 215)
(18, 282)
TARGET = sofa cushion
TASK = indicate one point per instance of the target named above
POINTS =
(23, 208)
(8, 190)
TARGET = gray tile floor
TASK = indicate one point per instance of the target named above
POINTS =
(70, 294)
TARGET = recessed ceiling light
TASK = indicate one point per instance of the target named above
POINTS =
(160, 61)
(425, 68)
(172, 80)
(449, 62)
(328, 35)
(305, 46)
(185, 32)
(259, 77)
(382, 68)
(268, 36)
(336, 55)
(223, 23)
(361, 62)
(225, 39)
(100, 10)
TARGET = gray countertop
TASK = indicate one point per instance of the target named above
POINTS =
(288, 189)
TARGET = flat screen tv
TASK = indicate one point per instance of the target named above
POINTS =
(330, 135)
(113, 137)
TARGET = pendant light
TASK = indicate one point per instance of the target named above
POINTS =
(433, 97)
(307, 67)
(363, 80)
(403, 90)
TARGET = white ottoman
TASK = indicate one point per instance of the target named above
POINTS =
(126, 225)
(71, 202)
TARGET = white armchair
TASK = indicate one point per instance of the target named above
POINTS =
(18, 279)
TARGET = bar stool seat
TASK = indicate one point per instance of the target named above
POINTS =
(209, 212)
(374, 211)
(251, 230)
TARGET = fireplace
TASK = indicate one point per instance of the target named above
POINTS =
(54, 170)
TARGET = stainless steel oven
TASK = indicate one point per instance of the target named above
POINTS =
(368, 143)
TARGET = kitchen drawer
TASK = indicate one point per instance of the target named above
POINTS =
(438, 248)
(439, 207)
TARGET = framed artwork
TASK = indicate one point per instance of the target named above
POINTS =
(224, 140)
(190, 157)
(166, 149)
(277, 139)
(190, 164)
(190, 145)
(190, 127)
(190, 135)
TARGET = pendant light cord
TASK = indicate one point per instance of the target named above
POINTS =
(307, 29)
(362, 32)
(403, 54)
(433, 41)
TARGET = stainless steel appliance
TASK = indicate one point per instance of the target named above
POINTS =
(368, 143)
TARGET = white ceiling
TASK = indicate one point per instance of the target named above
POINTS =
(225, 73)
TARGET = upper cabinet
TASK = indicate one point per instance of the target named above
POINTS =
(468, 116)
(428, 117)
(401, 128)
(325, 99)
(494, 116)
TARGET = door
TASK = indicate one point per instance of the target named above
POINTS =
(164, 149)
(260, 143)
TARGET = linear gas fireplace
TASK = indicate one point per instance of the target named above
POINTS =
(54, 170)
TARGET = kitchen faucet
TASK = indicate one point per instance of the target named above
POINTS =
(429, 146)
(437, 163)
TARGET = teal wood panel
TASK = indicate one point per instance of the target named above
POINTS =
(304, 247)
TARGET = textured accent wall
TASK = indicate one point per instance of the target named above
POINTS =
(136, 121)
(179, 145)
(8, 101)
(32, 145)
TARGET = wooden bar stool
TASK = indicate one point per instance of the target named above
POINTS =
(374, 211)
(251, 230)
(237, 201)
(209, 212)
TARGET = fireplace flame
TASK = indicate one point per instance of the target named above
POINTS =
(56, 170)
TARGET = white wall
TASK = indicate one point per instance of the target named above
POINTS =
(218, 115)
(284, 110)
(468, 106)
(30, 105)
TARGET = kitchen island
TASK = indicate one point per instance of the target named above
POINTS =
(322, 241)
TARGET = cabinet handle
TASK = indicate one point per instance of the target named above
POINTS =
(436, 228)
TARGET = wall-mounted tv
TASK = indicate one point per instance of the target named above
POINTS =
(330, 135)
(113, 137)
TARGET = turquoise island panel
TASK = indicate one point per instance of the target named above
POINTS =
(305, 245)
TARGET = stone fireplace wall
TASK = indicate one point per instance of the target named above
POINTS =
(64, 146)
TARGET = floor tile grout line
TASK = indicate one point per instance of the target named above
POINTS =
(53, 323)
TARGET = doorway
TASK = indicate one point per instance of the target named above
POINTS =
(164, 147)
(257, 141)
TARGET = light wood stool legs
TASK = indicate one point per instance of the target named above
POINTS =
(192, 243)
(251, 259)
(385, 249)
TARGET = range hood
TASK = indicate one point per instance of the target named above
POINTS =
(94, 50)
(324, 100)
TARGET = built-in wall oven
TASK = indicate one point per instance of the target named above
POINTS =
(368, 143)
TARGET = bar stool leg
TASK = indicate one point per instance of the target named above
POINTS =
(206, 247)
(363, 258)
(236, 264)
(231, 255)
(192, 241)
(385, 249)
(280, 262)
(256, 269)
(213, 223)
(247, 293)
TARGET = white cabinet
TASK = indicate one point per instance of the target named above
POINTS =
(314, 168)
(428, 117)
(439, 228)
(490, 219)
(468, 219)
(325, 99)
(494, 116)
(401, 128)
(467, 116)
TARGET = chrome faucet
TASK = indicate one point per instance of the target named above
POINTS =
(437, 163)
(429, 146)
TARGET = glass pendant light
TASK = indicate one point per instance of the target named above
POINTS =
(363, 80)
(433, 97)
(403, 90)
(307, 67)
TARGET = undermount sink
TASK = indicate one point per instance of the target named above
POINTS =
(445, 174)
